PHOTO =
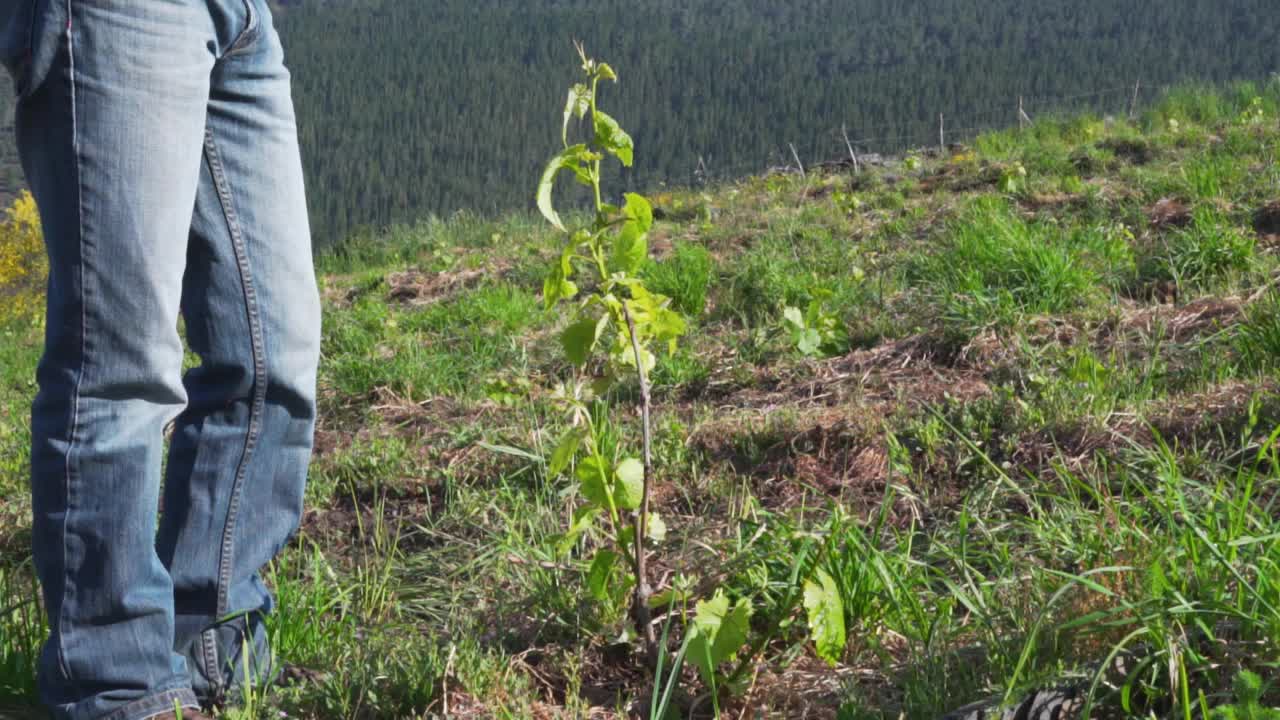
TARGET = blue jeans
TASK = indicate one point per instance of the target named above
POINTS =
(159, 140)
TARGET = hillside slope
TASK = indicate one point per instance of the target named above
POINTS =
(1038, 434)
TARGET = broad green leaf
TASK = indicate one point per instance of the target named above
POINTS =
(638, 209)
(734, 629)
(718, 632)
(809, 342)
(629, 489)
(667, 325)
(564, 452)
(826, 617)
(611, 137)
(579, 339)
(793, 318)
(630, 248)
(594, 478)
(606, 72)
(601, 573)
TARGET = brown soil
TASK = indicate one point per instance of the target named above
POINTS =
(418, 287)
(1185, 322)
(1133, 151)
(818, 431)
(1169, 213)
(1210, 420)
(1266, 222)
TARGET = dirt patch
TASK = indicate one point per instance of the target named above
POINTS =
(1137, 152)
(817, 430)
(1266, 222)
(1183, 322)
(1211, 421)
(1169, 213)
(1053, 201)
(961, 178)
(605, 674)
(914, 371)
(805, 689)
(418, 287)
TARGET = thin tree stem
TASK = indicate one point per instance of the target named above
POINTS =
(640, 607)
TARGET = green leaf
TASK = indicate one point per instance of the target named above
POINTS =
(793, 318)
(606, 72)
(573, 157)
(630, 248)
(624, 356)
(594, 478)
(718, 633)
(601, 573)
(565, 450)
(579, 103)
(611, 137)
(656, 528)
(809, 342)
(667, 325)
(583, 518)
(826, 617)
(580, 338)
(545, 186)
(629, 488)
(513, 451)
(557, 287)
(638, 210)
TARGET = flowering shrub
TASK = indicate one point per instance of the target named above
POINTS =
(23, 264)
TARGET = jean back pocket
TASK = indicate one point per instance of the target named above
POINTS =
(28, 42)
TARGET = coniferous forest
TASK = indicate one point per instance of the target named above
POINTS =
(409, 107)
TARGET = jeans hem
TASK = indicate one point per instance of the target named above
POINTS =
(155, 705)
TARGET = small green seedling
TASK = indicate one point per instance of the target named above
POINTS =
(816, 331)
(622, 321)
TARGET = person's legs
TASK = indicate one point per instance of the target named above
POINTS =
(148, 111)
(239, 454)
(111, 141)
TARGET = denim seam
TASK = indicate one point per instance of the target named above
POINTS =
(218, 173)
(74, 420)
(156, 704)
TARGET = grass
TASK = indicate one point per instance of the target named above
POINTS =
(1049, 452)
